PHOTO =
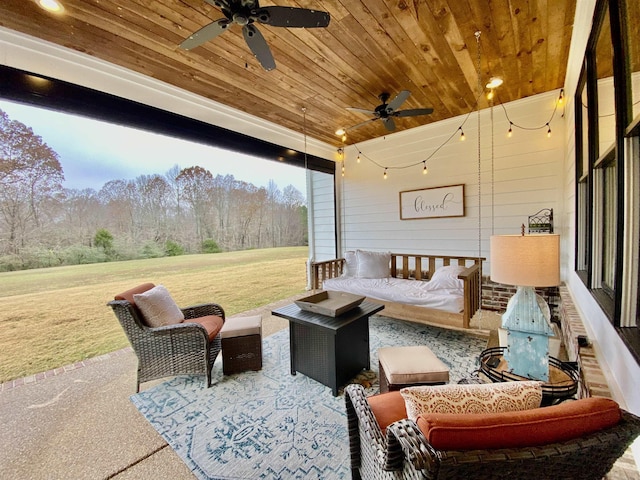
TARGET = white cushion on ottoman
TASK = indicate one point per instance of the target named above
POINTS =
(242, 326)
(412, 365)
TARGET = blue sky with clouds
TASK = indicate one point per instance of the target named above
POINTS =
(93, 152)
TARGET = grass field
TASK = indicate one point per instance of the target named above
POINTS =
(56, 316)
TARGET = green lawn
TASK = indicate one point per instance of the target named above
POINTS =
(56, 316)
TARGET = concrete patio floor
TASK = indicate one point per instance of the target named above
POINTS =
(79, 423)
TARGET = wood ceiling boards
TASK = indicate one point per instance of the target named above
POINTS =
(425, 46)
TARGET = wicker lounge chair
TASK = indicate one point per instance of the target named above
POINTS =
(180, 349)
(405, 453)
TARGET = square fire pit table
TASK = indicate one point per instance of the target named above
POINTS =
(331, 350)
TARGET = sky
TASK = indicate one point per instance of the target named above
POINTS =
(93, 152)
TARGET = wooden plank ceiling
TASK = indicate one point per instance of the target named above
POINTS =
(428, 47)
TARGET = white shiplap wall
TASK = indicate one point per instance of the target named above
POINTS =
(523, 175)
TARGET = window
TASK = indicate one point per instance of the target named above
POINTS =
(607, 166)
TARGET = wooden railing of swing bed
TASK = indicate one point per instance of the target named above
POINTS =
(418, 267)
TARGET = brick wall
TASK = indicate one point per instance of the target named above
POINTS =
(496, 295)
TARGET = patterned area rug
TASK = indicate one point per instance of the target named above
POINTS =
(274, 425)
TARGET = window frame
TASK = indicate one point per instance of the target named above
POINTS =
(589, 205)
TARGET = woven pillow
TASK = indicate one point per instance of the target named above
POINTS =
(472, 398)
(373, 264)
(158, 308)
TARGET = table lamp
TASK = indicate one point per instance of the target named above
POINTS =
(527, 261)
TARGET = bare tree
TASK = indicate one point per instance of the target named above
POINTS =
(30, 176)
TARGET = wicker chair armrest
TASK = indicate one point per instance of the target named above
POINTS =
(362, 421)
(203, 309)
(406, 441)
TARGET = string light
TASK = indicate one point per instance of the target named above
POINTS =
(343, 169)
(547, 124)
(425, 170)
(490, 95)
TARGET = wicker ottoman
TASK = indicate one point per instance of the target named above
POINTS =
(408, 366)
(241, 344)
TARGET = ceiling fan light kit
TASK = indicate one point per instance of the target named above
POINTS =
(246, 13)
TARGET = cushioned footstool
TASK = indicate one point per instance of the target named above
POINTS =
(241, 344)
(401, 367)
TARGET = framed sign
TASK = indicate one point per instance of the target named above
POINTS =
(432, 202)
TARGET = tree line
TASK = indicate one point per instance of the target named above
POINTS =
(187, 210)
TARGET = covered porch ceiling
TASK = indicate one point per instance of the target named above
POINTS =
(429, 47)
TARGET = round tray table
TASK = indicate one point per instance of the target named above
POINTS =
(563, 376)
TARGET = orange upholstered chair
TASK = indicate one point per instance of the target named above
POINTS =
(169, 340)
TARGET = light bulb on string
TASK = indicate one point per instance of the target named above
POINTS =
(425, 170)
(358, 158)
(510, 132)
(490, 95)
(462, 137)
(548, 131)
(561, 97)
(343, 169)
(385, 173)
(344, 137)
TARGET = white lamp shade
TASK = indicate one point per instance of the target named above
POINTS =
(525, 260)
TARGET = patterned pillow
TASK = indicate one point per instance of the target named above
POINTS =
(473, 398)
(158, 308)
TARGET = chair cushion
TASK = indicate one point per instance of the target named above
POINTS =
(526, 428)
(472, 398)
(157, 307)
(128, 295)
(387, 408)
(212, 323)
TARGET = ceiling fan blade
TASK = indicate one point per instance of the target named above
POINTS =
(259, 47)
(361, 110)
(206, 33)
(293, 17)
(218, 3)
(399, 100)
(360, 124)
(413, 112)
(389, 123)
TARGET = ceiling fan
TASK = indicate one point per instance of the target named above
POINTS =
(386, 111)
(246, 13)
